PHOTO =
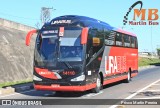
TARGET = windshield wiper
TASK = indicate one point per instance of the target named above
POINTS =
(68, 65)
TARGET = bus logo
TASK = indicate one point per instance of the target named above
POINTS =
(141, 14)
(61, 22)
(115, 64)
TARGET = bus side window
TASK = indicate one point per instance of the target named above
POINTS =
(133, 43)
(119, 39)
(136, 42)
(126, 39)
(39, 41)
(109, 37)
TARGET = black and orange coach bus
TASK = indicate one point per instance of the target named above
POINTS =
(78, 53)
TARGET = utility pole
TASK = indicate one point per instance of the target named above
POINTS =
(45, 14)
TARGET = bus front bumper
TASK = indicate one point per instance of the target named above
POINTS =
(65, 88)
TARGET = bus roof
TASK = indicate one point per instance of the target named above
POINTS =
(85, 22)
(124, 31)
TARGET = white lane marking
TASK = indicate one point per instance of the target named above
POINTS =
(114, 106)
(156, 84)
(134, 94)
(152, 91)
(16, 93)
(92, 94)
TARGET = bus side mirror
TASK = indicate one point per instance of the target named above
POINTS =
(28, 37)
(84, 35)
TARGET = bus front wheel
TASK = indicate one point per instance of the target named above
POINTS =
(98, 85)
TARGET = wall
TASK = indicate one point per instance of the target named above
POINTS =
(15, 25)
(16, 59)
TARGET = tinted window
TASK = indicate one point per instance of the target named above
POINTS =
(71, 53)
(118, 39)
(93, 32)
(136, 42)
(126, 39)
(71, 37)
(133, 42)
(109, 37)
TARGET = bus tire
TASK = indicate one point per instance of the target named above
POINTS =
(98, 84)
(128, 77)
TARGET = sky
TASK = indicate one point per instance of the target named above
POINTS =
(110, 11)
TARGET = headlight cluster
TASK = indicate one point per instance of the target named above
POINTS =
(79, 78)
(36, 78)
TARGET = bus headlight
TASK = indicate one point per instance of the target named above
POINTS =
(79, 78)
(36, 78)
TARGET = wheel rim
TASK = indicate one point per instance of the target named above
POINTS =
(98, 83)
(128, 76)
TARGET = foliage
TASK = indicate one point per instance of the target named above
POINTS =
(142, 61)
(14, 83)
(158, 51)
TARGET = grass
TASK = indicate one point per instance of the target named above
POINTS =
(142, 61)
(14, 83)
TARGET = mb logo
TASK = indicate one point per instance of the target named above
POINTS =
(145, 16)
(152, 14)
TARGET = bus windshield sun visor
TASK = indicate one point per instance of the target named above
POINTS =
(70, 45)
(71, 38)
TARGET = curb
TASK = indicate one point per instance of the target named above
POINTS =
(6, 90)
(20, 88)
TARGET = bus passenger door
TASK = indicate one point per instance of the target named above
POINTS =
(89, 65)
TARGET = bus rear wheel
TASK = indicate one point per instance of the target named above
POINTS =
(128, 77)
(98, 85)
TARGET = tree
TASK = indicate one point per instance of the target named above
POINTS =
(158, 51)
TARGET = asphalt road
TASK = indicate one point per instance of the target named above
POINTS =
(144, 86)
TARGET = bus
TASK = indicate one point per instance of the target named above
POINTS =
(79, 53)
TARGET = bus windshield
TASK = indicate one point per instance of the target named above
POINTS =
(71, 53)
(48, 47)
(51, 48)
(70, 46)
